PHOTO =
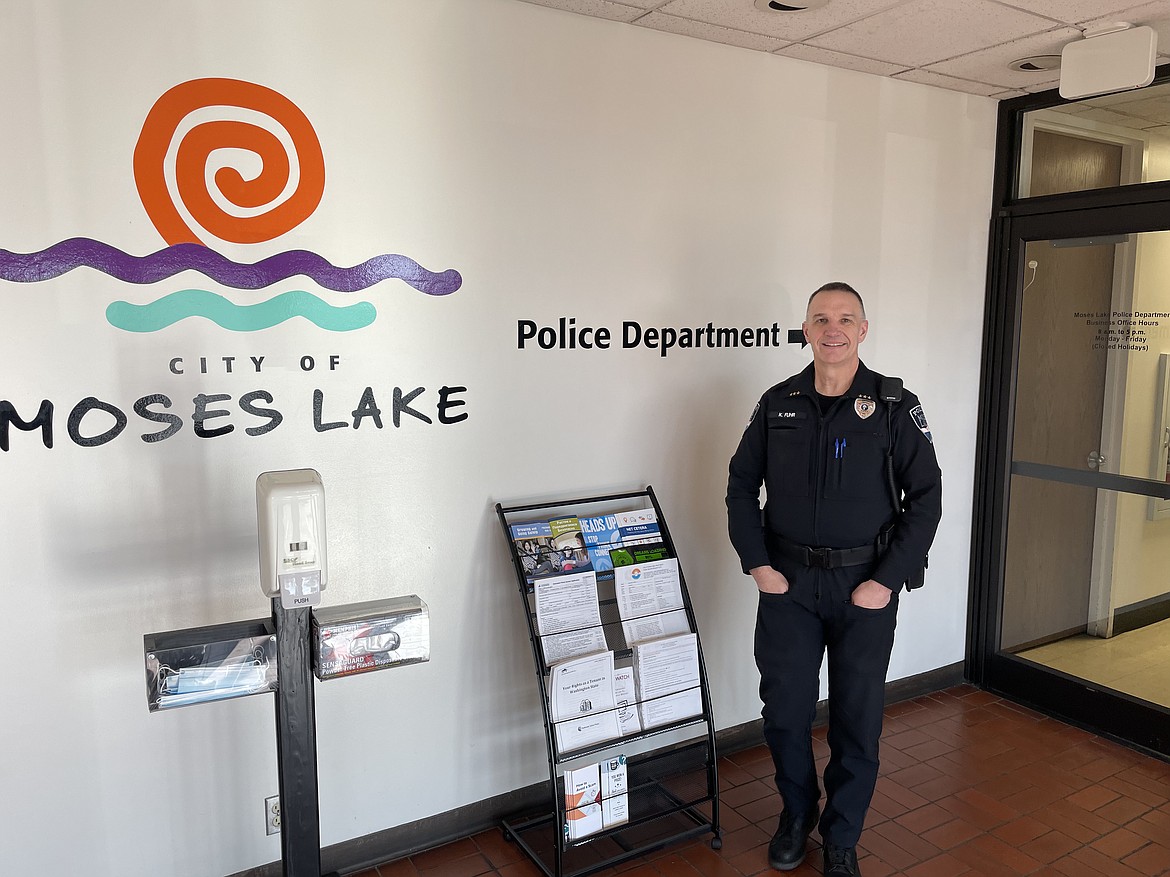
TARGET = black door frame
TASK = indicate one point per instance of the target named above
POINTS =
(1124, 209)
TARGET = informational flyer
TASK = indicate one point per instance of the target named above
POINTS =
(648, 588)
(664, 666)
(627, 700)
(655, 626)
(615, 802)
(639, 526)
(572, 644)
(587, 730)
(583, 811)
(580, 686)
(567, 602)
(671, 708)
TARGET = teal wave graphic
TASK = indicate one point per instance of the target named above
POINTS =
(238, 318)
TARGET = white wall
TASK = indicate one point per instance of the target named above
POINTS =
(565, 167)
(1143, 546)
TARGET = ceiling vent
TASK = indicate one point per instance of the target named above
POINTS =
(1036, 63)
(789, 5)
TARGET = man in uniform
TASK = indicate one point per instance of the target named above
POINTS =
(854, 496)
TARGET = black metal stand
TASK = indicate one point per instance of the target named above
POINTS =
(673, 791)
(296, 743)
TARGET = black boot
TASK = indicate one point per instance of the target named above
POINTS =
(840, 862)
(786, 851)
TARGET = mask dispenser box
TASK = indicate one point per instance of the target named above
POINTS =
(290, 516)
(370, 636)
(202, 664)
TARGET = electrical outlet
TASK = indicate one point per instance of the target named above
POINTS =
(272, 815)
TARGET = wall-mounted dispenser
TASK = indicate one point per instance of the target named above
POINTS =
(290, 517)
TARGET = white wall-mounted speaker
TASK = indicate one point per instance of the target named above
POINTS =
(1119, 59)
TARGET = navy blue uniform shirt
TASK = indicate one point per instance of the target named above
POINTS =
(825, 475)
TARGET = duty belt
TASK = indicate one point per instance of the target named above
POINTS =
(824, 558)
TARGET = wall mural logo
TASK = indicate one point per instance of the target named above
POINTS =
(187, 168)
(169, 172)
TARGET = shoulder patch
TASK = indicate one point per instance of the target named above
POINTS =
(752, 416)
(919, 418)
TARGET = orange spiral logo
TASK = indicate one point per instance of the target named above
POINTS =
(195, 149)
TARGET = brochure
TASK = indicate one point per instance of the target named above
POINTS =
(671, 708)
(665, 666)
(569, 544)
(534, 544)
(639, 526)
(655, 626)
(600, 533)
(580, 686)
(567, 602)
(648, 588)
(572, 644)
(615, 804)
(586, 730)
(626, 700)
(626, 555)
(583, 810)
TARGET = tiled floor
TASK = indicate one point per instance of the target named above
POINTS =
(970, 786)
(1134, 662)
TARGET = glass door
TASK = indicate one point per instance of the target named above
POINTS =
(1080, 548)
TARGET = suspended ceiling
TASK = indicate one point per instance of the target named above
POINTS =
(961, 45)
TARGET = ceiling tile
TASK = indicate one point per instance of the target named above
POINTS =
(1108, 117)
(596, 8)
(839, 59)
(1121, 97)
(924, 31)
(1147, 104)
(965, 45)
(713, 32)
(788, 26)
(991, 65)
(1074, 11)
(1004, 95)
(925, 77)
(1153, 109)
(1155, 15)
(1134, 13)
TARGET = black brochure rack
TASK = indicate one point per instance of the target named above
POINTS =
(673, 788)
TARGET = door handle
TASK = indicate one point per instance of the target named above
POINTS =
(1095, 460)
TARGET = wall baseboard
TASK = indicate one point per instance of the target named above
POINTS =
(360, 853)
(1137, 615)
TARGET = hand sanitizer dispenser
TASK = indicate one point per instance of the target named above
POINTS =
(290, 516)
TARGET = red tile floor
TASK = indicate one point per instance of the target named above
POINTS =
(971, 785)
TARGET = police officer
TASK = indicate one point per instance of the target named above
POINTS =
(833, 446)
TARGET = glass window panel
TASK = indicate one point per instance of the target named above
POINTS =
(1111, 140)
(1093, 367)
(1086, 589)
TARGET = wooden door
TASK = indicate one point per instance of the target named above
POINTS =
(1059, 400)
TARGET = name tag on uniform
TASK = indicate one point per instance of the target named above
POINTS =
(786, 418)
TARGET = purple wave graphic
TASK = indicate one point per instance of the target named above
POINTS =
(76, 252)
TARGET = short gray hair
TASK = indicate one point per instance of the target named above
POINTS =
(837, 286)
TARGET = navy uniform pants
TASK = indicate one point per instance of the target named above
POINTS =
(794, 631)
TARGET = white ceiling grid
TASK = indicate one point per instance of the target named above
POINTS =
(961, 45)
